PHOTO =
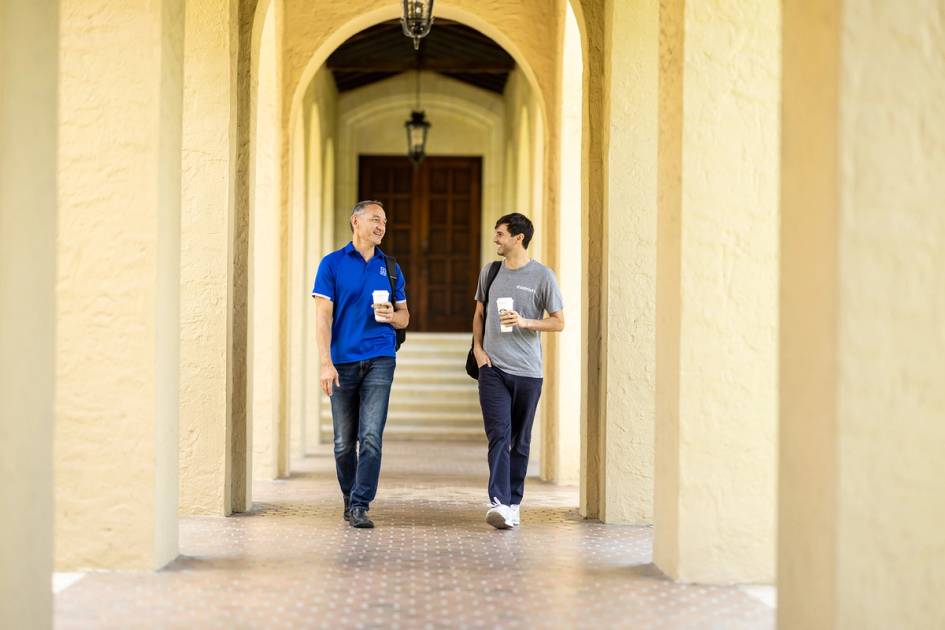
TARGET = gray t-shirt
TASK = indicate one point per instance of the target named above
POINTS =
(534, 290)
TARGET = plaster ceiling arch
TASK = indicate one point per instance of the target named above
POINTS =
(260, 14)
(578, 8)
(392, 10)
(458, 103)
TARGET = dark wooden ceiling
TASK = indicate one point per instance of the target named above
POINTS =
(451, 48)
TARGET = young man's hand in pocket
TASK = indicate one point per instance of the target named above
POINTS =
(482, 359)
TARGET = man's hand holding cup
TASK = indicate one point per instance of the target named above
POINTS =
(510, 318)
(504, 307)
(383, 309)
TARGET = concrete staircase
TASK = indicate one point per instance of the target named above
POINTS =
(432, 397)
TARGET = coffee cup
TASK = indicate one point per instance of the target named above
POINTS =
(380, 297)
(504, 304)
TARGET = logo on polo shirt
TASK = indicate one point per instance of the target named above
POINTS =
(384, 271)
(518, 286)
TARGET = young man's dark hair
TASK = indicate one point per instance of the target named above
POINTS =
(518, 223)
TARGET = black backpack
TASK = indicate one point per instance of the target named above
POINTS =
(471, 367)
(391, 265)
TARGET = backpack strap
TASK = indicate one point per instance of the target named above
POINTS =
(390, 264)
(493, 272)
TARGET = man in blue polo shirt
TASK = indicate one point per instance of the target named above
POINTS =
(358, 369)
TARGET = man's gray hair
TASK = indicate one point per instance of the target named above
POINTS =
(359, 208)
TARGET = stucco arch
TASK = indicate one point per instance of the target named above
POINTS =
(297, 77)
(311, 33)
(297, 86)
(497, 35)
(259, 18)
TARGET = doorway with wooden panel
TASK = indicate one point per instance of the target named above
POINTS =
(434, 214)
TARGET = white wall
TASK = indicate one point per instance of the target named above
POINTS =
(567, 439)
(264, 259)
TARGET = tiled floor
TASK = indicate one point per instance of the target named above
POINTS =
(432, 562)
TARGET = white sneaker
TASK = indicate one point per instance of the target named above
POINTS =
(515, 519)
(499, 516)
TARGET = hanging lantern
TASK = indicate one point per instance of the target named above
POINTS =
(417, 128)
(417, 20)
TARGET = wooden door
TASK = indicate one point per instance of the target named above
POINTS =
(433, 228)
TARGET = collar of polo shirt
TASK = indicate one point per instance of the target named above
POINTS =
(349, 248)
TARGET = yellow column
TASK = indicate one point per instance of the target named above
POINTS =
(118, 286)
(267, 299)
(207, 234)
(861, 505)
(716, 319)
(594, 255)
(315, 210)
(630, 376)
(239, 377)
(29, 34)
(296, 298)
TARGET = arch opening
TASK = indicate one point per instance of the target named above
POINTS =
(368, 120)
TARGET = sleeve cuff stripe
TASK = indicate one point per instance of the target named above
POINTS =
(321, 295)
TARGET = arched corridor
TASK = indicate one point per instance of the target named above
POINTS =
(743, 206)
(292, 562)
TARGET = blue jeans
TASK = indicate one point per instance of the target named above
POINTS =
(359, 413)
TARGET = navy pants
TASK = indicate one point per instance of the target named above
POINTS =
(359, 413)
(508, 411)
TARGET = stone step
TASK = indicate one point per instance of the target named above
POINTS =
(426, 377)
(436, 388)
(456, 355)
(424, 418)
(426, 405)
(432, 397)
(416, 338)
(443, 385)
(433, 346)
(432, 364)
(409, 433)
(428, 399)
(431, 391)
(411, 405)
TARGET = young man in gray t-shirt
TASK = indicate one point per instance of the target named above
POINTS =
(508, 353)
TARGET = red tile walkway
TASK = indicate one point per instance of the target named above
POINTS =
(432, 562)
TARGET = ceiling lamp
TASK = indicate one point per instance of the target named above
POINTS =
(417, 20)
(417, 128)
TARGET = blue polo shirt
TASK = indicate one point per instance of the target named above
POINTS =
(345, 278)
